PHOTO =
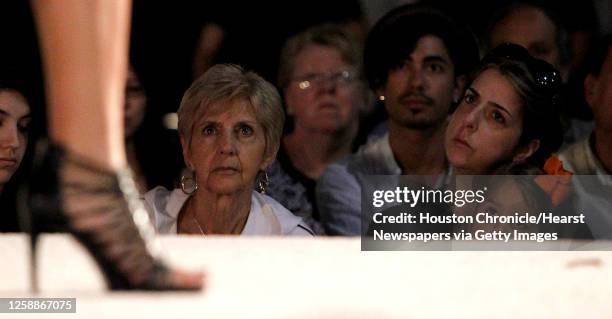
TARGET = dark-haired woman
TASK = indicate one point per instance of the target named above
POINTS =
(15, 120)
(507, 115)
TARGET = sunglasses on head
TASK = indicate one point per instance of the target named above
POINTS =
(544, 74)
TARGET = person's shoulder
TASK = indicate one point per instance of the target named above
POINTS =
(337, 169)
(290, 223)
(575, 157)
(337, 179)
(370, 159)
(163, 206)
(157, 197)
(161, 200)
(342, 163)
(157, 192)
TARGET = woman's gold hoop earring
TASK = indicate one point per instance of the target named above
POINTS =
(189, 185)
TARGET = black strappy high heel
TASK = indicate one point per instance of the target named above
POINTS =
(103, 211)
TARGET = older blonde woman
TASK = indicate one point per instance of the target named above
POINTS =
(230, 124)
(324, 91)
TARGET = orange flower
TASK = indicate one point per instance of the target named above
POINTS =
(554, 166)
(558, 183)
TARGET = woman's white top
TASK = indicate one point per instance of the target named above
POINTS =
(267, 216)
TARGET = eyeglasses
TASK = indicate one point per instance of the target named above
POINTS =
(546, 77)
(309, 81)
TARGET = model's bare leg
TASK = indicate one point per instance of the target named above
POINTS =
(84, 47)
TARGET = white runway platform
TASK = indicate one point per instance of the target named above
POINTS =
(323, 278)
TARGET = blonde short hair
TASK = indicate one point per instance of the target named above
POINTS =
(329, 35)
(228, 82)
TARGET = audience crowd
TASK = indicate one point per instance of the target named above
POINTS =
(288, 149)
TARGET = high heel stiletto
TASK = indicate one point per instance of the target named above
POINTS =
(104, 212)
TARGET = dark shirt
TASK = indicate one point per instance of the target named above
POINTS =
(293, 190)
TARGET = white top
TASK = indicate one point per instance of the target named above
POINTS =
(592, 192)
(267, 216)
(580, 159)
(340, 187)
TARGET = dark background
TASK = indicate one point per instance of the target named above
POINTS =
(164, 35)
(163, 39)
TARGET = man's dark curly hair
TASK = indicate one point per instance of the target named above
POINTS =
(396, 34)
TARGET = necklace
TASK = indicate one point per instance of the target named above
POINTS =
(188, 210)
(198, 224)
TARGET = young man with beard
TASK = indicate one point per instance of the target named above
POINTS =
(591, 158)
(416, 60)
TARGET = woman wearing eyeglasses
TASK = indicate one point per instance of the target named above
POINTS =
(509, 114)
(320, 75)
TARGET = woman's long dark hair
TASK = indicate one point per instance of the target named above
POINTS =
(9, 221)
(538, 85)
